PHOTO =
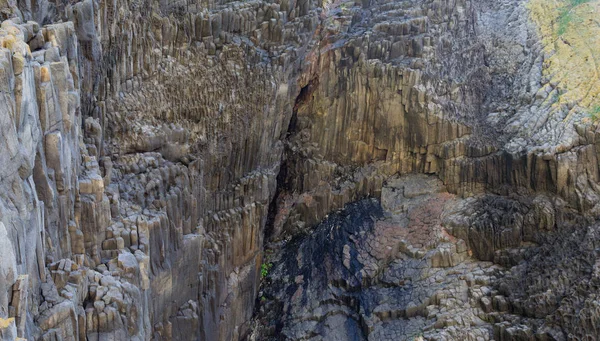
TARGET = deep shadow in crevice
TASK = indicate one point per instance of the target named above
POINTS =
(288, 157)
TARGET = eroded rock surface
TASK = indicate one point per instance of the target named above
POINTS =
(426, 264)
(149, 148)
(140, 149)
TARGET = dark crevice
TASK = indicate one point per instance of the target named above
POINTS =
(304, 95)
(273, 206)
(288, 157)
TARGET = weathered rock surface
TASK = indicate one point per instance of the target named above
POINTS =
(426, 264)
(463, 91)
(439, 88)
(140, 149)
(148, 148)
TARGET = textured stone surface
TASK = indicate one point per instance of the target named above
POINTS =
(148, 148)
(140, 148)
(426, 264)
(386, 274)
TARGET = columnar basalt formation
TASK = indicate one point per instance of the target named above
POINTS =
(141, 148)
(436, 89)
(463, 91)
(150, 149)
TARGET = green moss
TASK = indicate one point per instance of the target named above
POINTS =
(566, 16)
(595, 113)
(264, 269)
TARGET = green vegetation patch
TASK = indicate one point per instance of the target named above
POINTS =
(566, 16)
(595, 113)
(264, 269)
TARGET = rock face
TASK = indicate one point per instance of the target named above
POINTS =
(386, 273)
(426, 264)
(149, 148)
(140, 149)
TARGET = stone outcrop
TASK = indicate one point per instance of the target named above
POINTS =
(388, 272)
(436, 89)
(141, 145)
(424, 264)
(463, 91)
(148, 149)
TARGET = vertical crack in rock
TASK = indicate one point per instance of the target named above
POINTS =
(285, 188)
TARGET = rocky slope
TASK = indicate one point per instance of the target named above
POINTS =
(489, 98)
(150, 148)
(425, 264)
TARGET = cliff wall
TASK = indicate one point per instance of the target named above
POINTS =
(141, 143)
(150, 149)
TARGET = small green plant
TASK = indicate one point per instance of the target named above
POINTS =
(264, 269)
(595, 113)
(566, 15)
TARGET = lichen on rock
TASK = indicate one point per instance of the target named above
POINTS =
(569, 32)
